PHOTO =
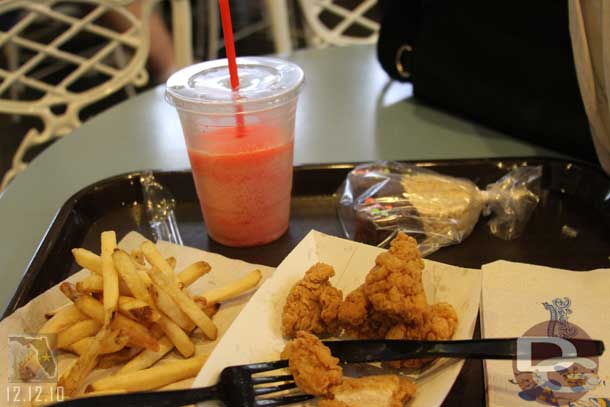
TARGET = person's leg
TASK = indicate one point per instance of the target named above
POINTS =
(161, 55)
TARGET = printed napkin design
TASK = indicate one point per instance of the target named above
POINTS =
(526, 300)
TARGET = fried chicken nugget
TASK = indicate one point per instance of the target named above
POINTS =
(439, 323)
(378, 391)
(313, 304)
(354, 310)
(360, 320)
(394, 285)
(314, 369)
(392, 302)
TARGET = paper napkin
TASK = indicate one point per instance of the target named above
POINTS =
(522, 299)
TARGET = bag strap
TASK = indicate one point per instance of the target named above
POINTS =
(400, 23)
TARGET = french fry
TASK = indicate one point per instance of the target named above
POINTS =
(166, 305)
(73, 378)
(90, 307)
(145, 277)
(209, 309)
(142, 266)
(116, 358)
(113, 343)
(185, 302)
(177, 336)
(92, 284)
(138, 334)
(123, 289)
(147, 358)
(62, 319)
(156, 331)
(110, 276)
(190, 274)
(152, 378)
(129, 274)
(138, 257)
(69, 291)
(138, 282)
(50, 314)
(138, 310)
(156, 260)
(139, 261)
(233, 289)
(81, 345)
(88, 260)
(76, 332)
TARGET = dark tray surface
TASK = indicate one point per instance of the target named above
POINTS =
(575, 194)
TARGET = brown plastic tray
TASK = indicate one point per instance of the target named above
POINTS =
(574, 194)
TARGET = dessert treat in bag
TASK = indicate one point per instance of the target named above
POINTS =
(377, 200)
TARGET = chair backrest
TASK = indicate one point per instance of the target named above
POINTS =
(119, 56)
(335, 24)
(182, 32)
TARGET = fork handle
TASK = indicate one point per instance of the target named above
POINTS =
(171, 398)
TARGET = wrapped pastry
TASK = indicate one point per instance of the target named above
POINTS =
(377, 200)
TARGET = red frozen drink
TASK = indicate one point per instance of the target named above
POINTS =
(240, 145)
(243, 182)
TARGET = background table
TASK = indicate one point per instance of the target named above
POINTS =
(349, 111)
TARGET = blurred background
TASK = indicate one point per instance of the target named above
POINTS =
(64, 61)
(21, 42)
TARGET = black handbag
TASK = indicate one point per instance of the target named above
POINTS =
(505, 64)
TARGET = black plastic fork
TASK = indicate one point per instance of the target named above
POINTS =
(238, 387)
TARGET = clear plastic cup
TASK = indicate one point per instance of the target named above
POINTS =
(240, 144)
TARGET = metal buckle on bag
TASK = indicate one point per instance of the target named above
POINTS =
(404, 52)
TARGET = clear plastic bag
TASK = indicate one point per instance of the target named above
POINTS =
(377, 200)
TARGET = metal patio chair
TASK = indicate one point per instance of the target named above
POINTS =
(120, 57)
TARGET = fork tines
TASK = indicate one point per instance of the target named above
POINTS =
(264, 390)
(271, 379)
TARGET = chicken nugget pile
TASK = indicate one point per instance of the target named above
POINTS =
(390, 304)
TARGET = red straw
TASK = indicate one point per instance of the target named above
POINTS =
(227, 30)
